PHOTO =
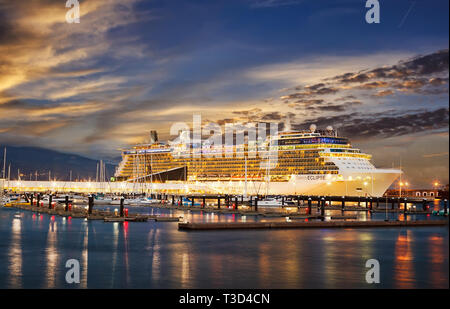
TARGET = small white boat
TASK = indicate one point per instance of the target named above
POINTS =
(143, 201)
(103, 200)
(117, 202)
(149, 201)
(274, 202)
(5, 200)
(270, 202)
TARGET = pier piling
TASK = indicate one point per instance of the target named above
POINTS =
(122, 200)
(66, 203)
(26, 198)
(445, 206)
(322, 209)
(50, 197)
(91, 204)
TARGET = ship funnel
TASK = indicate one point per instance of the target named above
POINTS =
(153, 137)
(287, 124)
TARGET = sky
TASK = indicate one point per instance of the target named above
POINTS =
(131, 66)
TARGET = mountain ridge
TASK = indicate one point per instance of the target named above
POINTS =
(45, 162)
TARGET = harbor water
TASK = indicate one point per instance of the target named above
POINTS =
(34, 249)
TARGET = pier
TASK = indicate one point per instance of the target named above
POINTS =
(88, 212)
(301, 202)
(313, 224)
(300, 211)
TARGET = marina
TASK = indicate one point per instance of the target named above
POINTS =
(155, 254)
(299, 207)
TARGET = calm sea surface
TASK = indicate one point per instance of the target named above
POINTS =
(34, 250)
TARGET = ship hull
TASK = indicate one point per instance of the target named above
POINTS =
(352, 184)
(373, 184)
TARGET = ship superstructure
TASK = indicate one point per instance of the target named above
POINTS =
(316, 162)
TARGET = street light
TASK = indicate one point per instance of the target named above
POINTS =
(436, 185)
(403, 184)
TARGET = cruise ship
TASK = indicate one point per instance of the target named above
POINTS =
(308, 162)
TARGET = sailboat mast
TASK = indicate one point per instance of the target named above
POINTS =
(245, 185)
(151, 173)
(4, 163)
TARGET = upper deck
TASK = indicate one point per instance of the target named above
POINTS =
(308, 137)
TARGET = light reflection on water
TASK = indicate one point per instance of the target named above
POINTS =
(15, 253)
(52, 253)
(34, 249)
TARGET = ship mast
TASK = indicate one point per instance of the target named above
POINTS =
(268, 170)
(245, 185)
(151, 173)
(4, 164)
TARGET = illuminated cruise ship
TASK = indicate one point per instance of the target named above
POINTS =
(310, 162)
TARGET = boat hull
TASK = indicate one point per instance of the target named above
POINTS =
(351, 184)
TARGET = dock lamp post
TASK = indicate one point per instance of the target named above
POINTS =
(435, 186)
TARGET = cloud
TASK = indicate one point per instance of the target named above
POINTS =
(385, 124)
(425, 75)
(423, 65)
(384, 93)
(42, 43)
(435, 155)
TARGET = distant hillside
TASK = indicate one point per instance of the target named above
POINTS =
(32, 159)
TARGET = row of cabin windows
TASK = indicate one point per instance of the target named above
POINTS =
(425, 193)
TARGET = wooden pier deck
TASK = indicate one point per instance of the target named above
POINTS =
(311, 224)
(106, 216)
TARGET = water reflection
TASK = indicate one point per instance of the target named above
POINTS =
(15, 254)
(85, 257)
(264, 264)
(155, 247)
(185, 271)
(52, 254)
(125, 252)
(115, 252)
(403, 266)
(158, 255)
(437, 273)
